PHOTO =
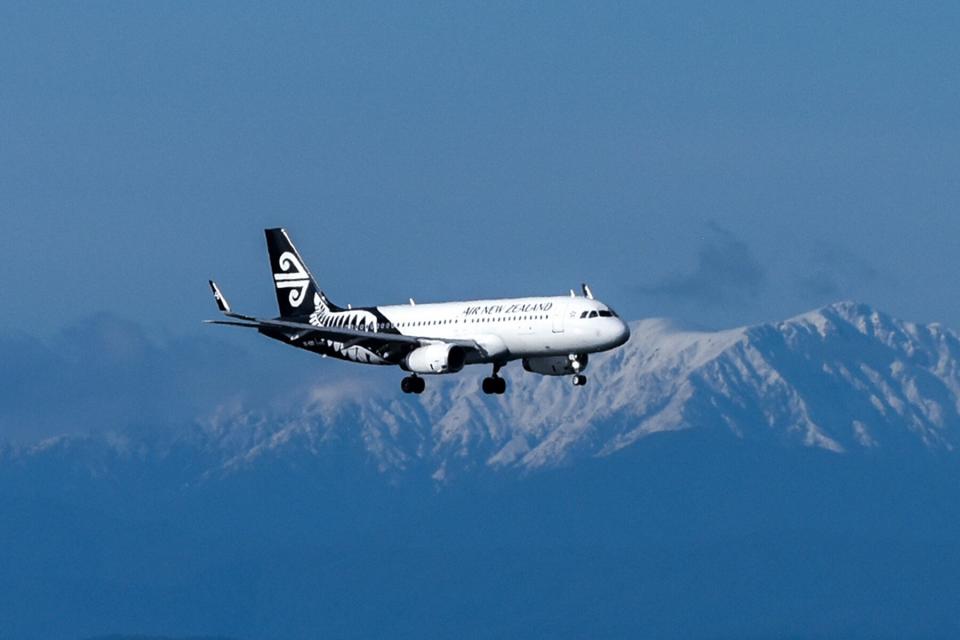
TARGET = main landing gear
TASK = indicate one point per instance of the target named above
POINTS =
(494, 384)
(413, 384)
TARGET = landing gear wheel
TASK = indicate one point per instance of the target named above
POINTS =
(494, 384)
(487, 385)
(413, 384)
(579, 380)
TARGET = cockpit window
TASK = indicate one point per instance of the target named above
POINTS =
(602, 313)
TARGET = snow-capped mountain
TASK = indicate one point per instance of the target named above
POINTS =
(843, 378)
(795, 458)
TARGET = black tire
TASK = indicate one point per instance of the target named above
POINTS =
(488, 386)
(419, 384)
(501, 386)
(405, 385)
(581, 380)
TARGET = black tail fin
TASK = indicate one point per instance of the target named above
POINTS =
(297, 292)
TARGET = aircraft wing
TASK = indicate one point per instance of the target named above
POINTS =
(338, 334)
(344, 335)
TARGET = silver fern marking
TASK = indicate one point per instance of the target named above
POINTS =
(357, 319)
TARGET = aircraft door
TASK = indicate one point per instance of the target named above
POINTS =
(559, 317)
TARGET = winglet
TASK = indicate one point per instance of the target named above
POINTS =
(586, 291)
(222, 303)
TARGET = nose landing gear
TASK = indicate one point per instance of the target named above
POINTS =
(578, 378)
(413, 384)
(494, 384)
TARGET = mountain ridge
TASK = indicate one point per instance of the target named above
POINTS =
(843, 378)
(781, 377)
(703, 485)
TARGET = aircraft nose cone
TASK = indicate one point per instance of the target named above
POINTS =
(624, 333)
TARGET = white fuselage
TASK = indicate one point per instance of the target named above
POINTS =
(514, 328)
(552, 335)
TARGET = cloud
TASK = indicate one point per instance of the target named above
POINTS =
(834, 272)
(727, 271)
(819, 284)
(106, 374)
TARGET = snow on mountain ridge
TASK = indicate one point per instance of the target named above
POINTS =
(842, 378)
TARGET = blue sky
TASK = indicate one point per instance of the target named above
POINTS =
(718, 163)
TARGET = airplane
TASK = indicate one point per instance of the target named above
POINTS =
(552, 336)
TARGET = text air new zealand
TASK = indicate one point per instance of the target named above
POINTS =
(552, 336)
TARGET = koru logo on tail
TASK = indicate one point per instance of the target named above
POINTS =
(292, 276)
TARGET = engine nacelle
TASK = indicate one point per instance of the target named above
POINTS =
(435, 358)
(556, 365)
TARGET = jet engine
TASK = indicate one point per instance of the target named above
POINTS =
(435, 358)
(556, 365)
